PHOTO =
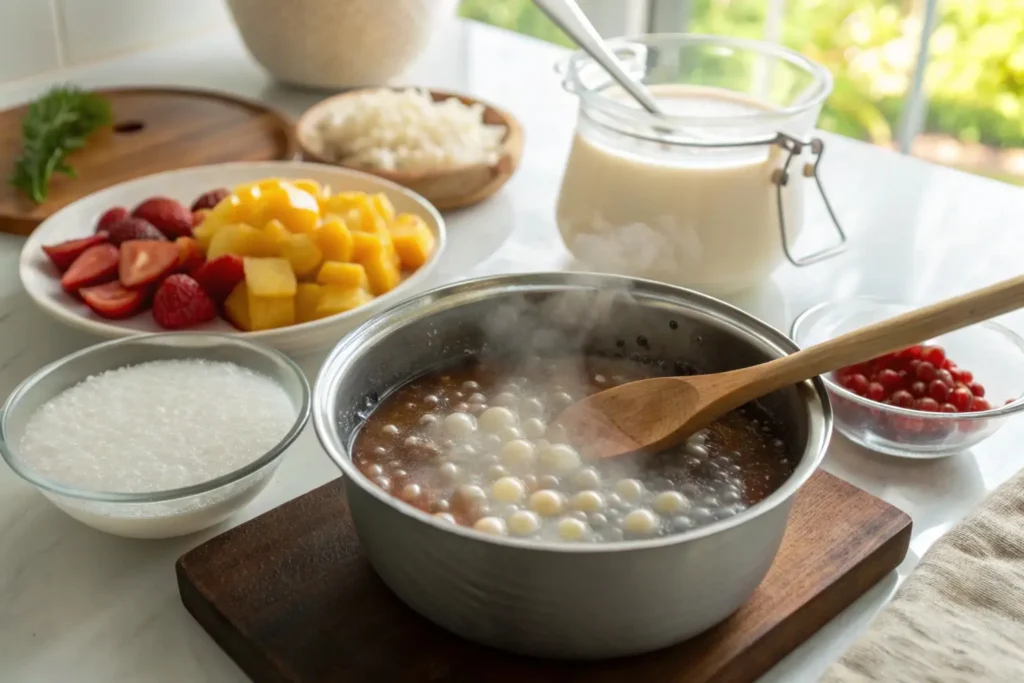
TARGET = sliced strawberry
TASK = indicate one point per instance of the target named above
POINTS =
(167, 215)
(220, 276)
(190, 254)
(65, 253)
(96, 265)
(198, 217)
(210, 199)
(113, 300)
(180, 302)
(111, 216)
(146, 261)
(133, 229)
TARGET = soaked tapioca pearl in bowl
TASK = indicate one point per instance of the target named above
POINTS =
(475, 448)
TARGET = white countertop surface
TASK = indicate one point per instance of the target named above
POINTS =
(76, 605)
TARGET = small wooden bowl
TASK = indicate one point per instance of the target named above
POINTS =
(446, 188)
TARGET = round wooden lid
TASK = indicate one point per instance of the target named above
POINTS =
(155, 129)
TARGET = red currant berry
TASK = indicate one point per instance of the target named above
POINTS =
(875, 392)
(911, 353)
(918, 389)
(961, 397)
(857, 383)
(979, 404)
(902, 398)
(890, 379)
(929, 405)
(945, 377)
(938, 390)
(976, 388)
(934, 355)
(948, 365)
(948, 408)
(925, 371)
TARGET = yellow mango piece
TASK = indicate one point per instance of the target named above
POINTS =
(334, 239)
(413, 240)
(298, 210)
(240, 239)
(382, 272)
(205, 231)
(382, 207)
(306, 299)
(366, 245)
(250, 204)
(302, 253)
(271, 312)
(269, 278)
(277, 236)
(343, 275)
(310, 186)
(236, 306)
(335, 299)
(343, 201)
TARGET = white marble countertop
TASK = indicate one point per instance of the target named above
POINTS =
(76, 605)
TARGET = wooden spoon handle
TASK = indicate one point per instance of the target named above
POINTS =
(889, 335)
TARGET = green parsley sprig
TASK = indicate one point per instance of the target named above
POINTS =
(56, 124)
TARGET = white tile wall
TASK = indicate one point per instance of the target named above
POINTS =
(37, 36)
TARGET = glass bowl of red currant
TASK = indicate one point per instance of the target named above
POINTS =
(929, 400)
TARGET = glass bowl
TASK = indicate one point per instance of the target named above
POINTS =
(154, 514)
(992, 352)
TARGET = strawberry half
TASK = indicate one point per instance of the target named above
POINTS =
(113, 300)
(96, 265)
(210, 199)
(133, 229)
(167, 215)
(111, 216)
(64, 254)
(190, 254)
(146, 261)
(220, 276)
(180, 302)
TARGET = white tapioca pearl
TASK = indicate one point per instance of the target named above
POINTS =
(491, 442)
(697, 450)
(547, 481)
(508, 490)
(587, 501)
(682, 523)
(477, 398)
(380, 450)
(560, 400)
(597, 520)
(561, 457)
(495, 472)
(641, 522)
(390, 430)
(505, 399)
(470, 386)
(494, 419)
(510, 433)
(383, 482)
(373, 471)
(533, 428)
(431, 400)
(523, 523)
(671, 503)
(460, 425)
(518, 454)
(587, 478)
(571, 529)
(411, 492)
(629, 489)
(531, 407)
(445, 517)
(547, 502)
(470, 493)
(491, 525)
(430, 420)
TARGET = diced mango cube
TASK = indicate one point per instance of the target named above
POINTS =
(298, 210)
(382, 207)
(382, 272)
(366, 245)
(306, 299)
(276, 235)
(240, 239)
(343, 275)
(271, 312)
(343, 201)
(334, 239)
(310, 186)
(335, 299)
(204, 232)
(237, 307)
(269, 278)
(302, 253)
(413, 240)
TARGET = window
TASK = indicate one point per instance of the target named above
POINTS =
(940, 79)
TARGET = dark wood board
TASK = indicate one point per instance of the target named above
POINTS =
(155, 129)
(291, 598)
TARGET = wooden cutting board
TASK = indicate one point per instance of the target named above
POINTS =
(291, 598)
(155, 129)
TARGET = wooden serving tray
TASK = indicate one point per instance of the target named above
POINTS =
(155, 129)
(291, 598)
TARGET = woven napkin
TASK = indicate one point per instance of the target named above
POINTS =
(959, 617)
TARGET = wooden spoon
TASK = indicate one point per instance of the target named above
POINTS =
(654, 414)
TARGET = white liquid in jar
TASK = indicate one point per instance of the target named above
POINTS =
(702, 218)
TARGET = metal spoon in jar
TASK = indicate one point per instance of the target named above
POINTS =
(658, 413)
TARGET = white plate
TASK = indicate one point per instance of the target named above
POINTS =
(42, 281)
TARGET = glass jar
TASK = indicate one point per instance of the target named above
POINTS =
(710, 193)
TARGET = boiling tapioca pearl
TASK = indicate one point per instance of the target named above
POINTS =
(721, 462)
(560, 400)
(556, 434)
(373, 471)
(730, 494)
(477, 408)
(505, 399)
(382, 482)
(682, 523)
(572, 529)
(561, 457)
(380, 450)
(711, 501)
(577, 514)
(699, 514)
(414, 442)
(630, 490)
(671, 503)
(470, 386)
(612, 534)
(494, 419)
(518, 454)
(461, 407)
(489, 460)
(411, 406)
(698, 439)
(430, 420)
(531, 407)
(462, 452)
(491, 443)
(491, 525)
(692, 462)
(510, 433)
(476, 398)
(523, 523)
(726, 512)
(460, 425)
(470, 493)
(586, 478)
(697, 451)
(440, 505)
(390, 430)
(495, 472)
(600, 380)
(597, 520)
(547, 502)
(530, 481)
(587, 501)
(411, 492)
(508, 490)
(548, 481)
(641, 522)
(533, 428)
(398, 474)
(431, 400)
(445, 517)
